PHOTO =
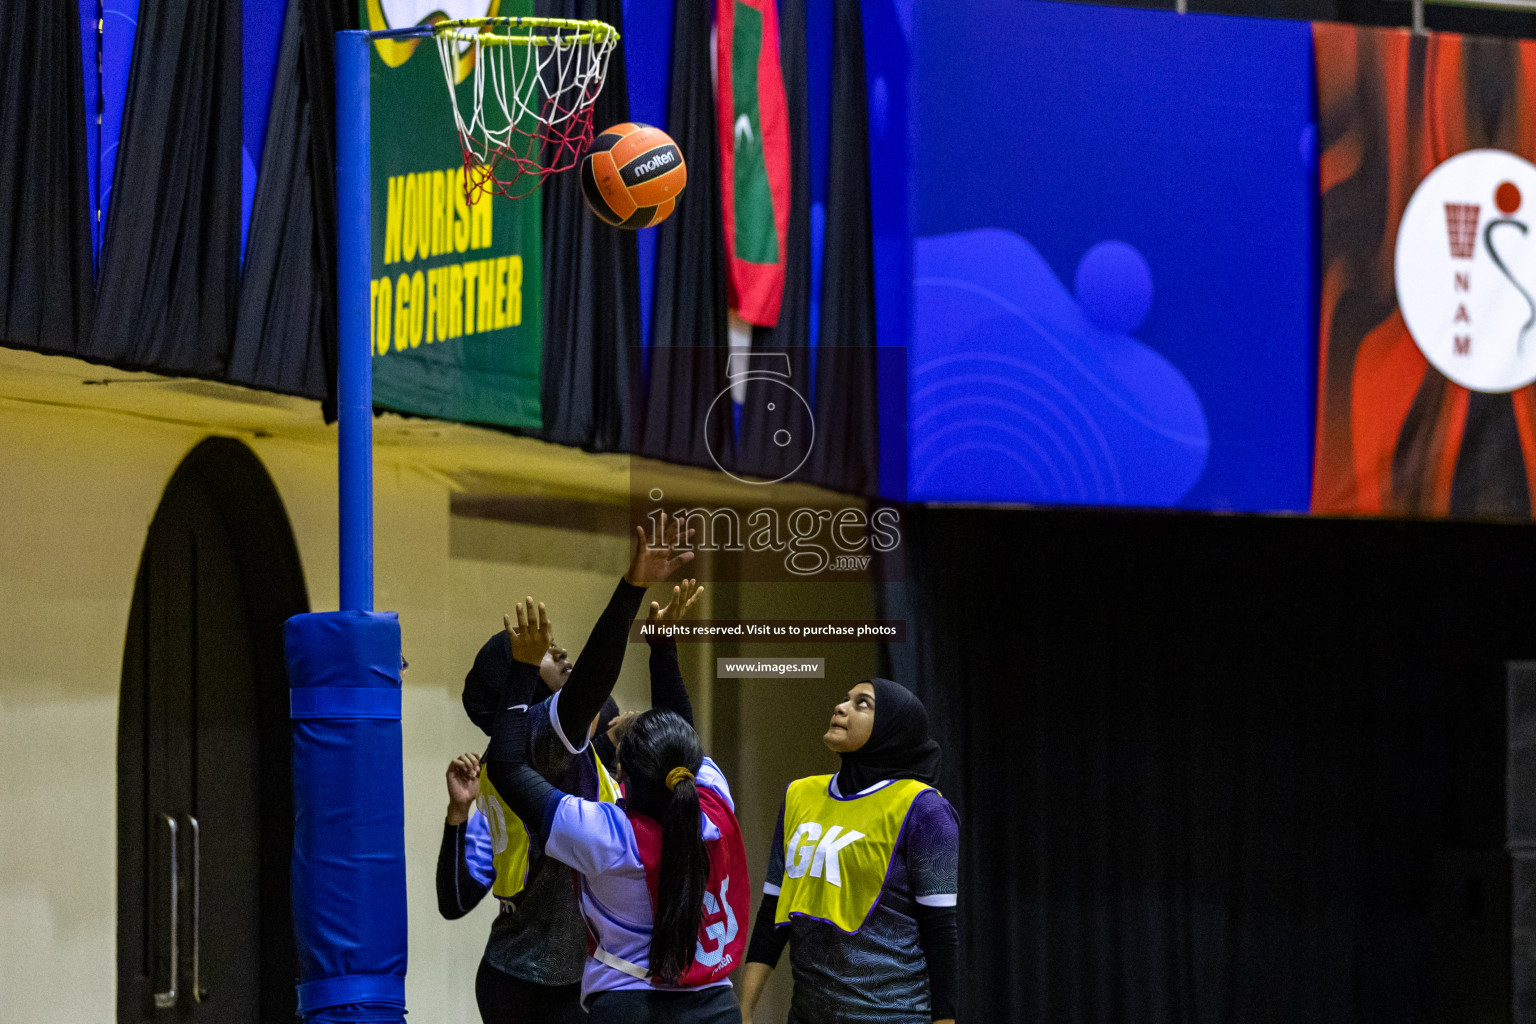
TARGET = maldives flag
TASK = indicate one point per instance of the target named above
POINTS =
(754, 155)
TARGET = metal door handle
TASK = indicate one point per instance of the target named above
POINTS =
(167, 999)
(197, 910)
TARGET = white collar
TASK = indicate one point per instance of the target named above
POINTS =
(832, 788)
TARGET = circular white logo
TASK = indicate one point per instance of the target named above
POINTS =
(1466, 270)
(785, 412)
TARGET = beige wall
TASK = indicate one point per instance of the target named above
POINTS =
(76, 497)
(78, 490)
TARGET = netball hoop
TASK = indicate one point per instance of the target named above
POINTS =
(535, 81)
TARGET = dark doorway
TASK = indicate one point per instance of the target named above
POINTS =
(204, 797)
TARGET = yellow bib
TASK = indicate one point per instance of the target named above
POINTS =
(837, 852)
(509, 836)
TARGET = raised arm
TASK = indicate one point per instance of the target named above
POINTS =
(458, 889)
(667, 687)
(525, 791)
(597, 669)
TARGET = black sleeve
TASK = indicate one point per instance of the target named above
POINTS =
(940, 939)
(524, 686)
(457, 890)
(667, 687)
(768, 939)
(527, 792)
(597, 669)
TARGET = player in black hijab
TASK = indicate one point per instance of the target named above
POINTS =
(898, 746)
(864, 892)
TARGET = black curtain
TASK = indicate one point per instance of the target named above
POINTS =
(322, 20)
(689, 346)
(1223, 769)
(170, 262)
(283, 323)
(46, 287)
(755, 452)
(168, 295)
(847, 452)
(591, 284)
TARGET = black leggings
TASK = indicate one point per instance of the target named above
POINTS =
(504, 999)
(702, 1006)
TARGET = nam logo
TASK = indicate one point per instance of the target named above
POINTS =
(1465, 270)
(808, 850)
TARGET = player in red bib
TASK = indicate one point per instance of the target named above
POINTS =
(662, 875)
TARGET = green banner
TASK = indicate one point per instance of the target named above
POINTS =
(456, 289)
(757, 239)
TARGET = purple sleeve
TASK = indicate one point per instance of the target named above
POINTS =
(710, 775)
(479, 855)
(930, 841)
(590, 836)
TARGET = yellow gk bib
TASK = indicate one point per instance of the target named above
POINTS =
(837, 852)
(509, 836)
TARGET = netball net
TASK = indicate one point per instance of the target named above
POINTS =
(534, 83)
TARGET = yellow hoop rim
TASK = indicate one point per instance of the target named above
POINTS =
(572, 31)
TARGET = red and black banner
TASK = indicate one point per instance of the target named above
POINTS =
(1427, 318)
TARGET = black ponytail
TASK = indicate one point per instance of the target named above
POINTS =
(657, 744)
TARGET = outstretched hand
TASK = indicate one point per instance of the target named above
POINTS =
(533, 634)
(463, 786)
(683, 597)
(654, 563)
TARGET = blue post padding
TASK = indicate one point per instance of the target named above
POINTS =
(343, 702)
(350, 989)
(354, 356)
(348, 886)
